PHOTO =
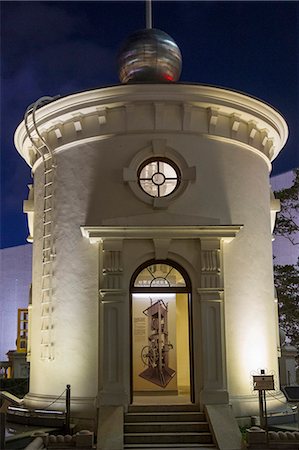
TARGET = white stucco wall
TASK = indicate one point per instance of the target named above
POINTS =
(214, 132)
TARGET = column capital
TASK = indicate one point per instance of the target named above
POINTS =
(111, 295)
(210, 243)
(210, 295)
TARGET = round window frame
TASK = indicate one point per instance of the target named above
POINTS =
(158, 159)
(156, 149)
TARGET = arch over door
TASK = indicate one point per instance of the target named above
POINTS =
(160, 275)
(161, 330)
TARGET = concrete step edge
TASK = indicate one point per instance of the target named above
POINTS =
(166, 408)
(162, 445)
(167, 445)
(179, 433)
(165, 423)
(164, 413)
(161, 411)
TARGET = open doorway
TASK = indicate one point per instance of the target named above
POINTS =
(161, 351)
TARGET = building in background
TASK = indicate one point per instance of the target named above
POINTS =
(16, 277)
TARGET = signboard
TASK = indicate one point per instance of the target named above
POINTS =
(263, 382)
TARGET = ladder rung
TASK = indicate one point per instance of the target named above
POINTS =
(47, 210)
(47, 262)
(46, 249)
(46, 276)
(41, 147)
(51, 256)
(48, 171)
(46, 236)
(48, 196)
(49, 183)
(47, 223)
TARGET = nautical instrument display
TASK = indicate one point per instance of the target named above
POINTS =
(155, 355)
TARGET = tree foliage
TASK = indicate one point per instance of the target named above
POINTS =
(287, 285)
(286, 277)
(287, 221)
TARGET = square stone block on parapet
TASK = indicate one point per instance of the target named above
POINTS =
(84, 439)
(257, 438)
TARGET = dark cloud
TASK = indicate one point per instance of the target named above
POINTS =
(77, 62)
(51, 42)
(28, 27)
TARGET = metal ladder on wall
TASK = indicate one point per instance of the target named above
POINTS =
(48, 246)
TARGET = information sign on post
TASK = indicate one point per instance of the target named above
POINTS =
(263, 382)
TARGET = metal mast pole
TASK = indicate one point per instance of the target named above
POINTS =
(149, 21)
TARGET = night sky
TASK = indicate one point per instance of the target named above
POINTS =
(51, 48)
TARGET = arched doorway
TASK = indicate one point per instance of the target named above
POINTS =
(161, 334)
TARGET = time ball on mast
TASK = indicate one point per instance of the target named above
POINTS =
(149, 56)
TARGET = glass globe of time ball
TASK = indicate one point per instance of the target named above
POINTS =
(149, 56)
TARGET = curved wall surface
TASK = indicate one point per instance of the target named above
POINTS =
(223, 143)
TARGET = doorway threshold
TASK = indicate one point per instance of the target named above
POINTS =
(161, 399)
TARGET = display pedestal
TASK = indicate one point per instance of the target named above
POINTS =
(161, 378)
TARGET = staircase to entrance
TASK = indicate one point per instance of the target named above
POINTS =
(166, 426)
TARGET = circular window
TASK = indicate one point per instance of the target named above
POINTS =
(158, 177)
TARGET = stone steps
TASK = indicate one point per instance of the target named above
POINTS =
(162, 446)
(167, 417)
(168, 438)
(166, 426)
(164, 408)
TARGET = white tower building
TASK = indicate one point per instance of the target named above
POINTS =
(146, 191)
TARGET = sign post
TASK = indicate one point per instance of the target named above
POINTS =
(68, 408)
(263, 383)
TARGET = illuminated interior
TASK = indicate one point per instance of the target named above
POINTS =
(160, 335)
(158, 177)
(159, 275)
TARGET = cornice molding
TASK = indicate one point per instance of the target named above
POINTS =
(97, 234)
(195, 109)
